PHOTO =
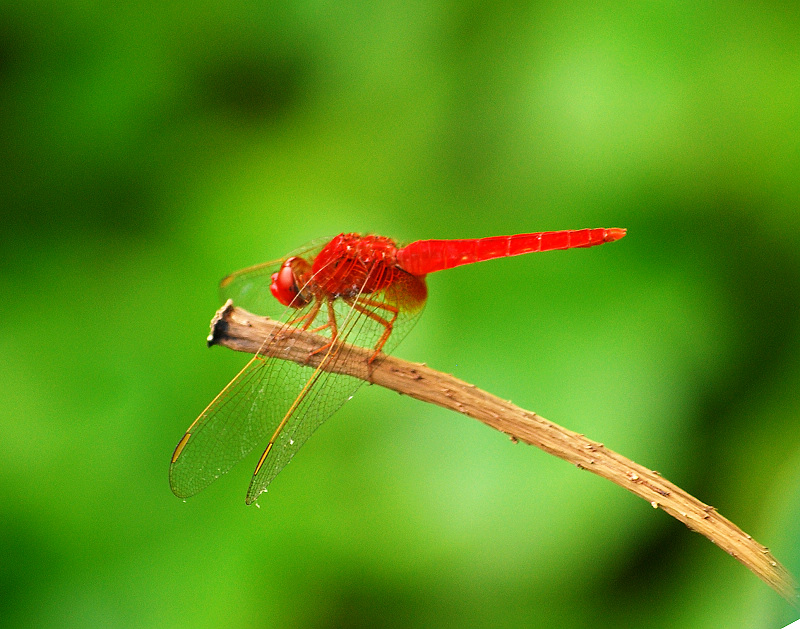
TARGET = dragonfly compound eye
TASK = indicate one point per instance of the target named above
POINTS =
(286, 283)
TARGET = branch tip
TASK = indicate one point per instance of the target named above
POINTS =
(219, 324)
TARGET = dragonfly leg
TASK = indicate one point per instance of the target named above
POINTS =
(330, 325)
(362, 305)
(307, 318)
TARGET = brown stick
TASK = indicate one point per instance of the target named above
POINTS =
(241, 331)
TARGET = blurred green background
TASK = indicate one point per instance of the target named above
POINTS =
(148, 149)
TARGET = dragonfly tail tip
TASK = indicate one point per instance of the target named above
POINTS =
(615, 234)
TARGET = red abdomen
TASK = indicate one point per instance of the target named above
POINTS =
(428, 256)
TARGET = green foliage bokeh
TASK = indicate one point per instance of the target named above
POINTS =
(148, 149)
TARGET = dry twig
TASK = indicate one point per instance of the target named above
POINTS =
(241, 331)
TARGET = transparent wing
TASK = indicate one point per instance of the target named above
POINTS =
(241, 417)
(360, 323)
(283, 402)
(249, 288)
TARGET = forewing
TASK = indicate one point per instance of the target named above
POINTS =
(249, 288)
(242, 416)
(360, 323)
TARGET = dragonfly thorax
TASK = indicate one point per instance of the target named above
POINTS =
(352, 265)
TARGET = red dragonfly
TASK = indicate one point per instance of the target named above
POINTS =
(360, 290)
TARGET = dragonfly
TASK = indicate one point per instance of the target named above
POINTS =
(353, 290)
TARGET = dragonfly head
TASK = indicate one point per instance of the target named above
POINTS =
(290, 280)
